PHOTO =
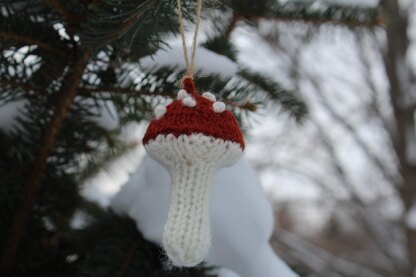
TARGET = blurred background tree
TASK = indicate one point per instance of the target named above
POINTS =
(66, 64)
(355, 153)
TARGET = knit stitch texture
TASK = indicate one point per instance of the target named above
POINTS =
(191, 162)
(183, 120)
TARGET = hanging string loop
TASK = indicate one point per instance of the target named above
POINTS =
(189, 61)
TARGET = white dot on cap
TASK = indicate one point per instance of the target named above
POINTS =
(209, 96)
(218, 107)
(160, 111)
(182, 94)
(189, 102)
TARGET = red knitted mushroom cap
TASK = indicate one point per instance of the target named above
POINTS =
(180, 119)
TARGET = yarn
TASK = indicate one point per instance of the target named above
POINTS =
(191, 161)
(218, 107)
(190, 63)
(189, 102)
(183, 119)
(193, 137)
(182, 94)
(208, 95)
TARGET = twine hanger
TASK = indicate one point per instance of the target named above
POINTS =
(189, 61)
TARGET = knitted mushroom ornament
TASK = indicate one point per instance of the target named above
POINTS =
(192, 137)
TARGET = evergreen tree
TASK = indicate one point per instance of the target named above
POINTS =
(59, 61)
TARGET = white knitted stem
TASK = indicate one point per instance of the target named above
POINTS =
(187, 234)
(191, 160)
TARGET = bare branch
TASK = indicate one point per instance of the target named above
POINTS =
(360, 142)
(321, 262)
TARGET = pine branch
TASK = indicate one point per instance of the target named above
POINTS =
(232, 24)
(289, 101)
(312, 12)
(243, 93)
(128, 259)
(4, 84)
(60, 9)
(115, 90)
(138, 92)
(34, 180)
(132, 28)
(27, 40)
(19, 29)
(222, 45)
(116, 151)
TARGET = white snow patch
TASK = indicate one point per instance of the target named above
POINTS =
(21, 55)
(223, 272)
(105, 113)
(241, 216)
(61, 30)
(79, 220)
(9, 113)
(106, 183)
(207, 61)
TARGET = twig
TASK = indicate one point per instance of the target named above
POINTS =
(127, 260)
(320, 260)
(32, 41)
(34, 180)
(366, 215)
(248, 106)
(379, 21)
(57, 6)
(233, 23)
(122, 91)
(382, 167)
(23, 86)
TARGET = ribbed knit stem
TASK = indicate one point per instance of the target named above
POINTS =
(187, 237)
(192, 161)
